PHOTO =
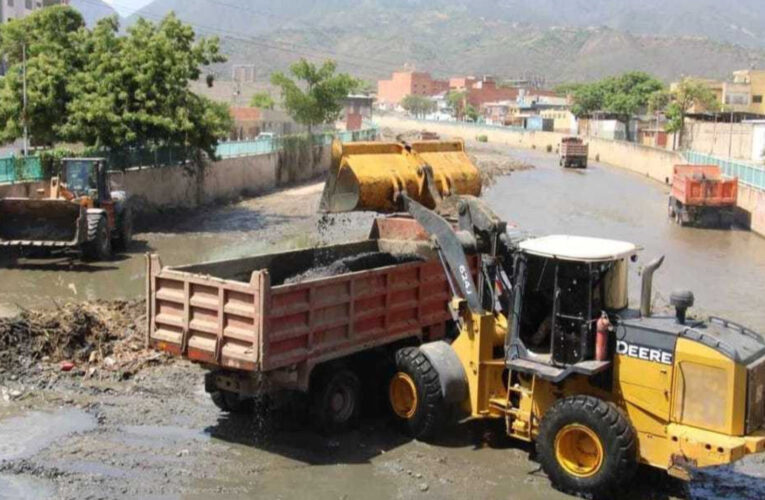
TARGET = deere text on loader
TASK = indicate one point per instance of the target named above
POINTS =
(80, 212)
(547, 341)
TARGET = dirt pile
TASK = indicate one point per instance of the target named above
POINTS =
(90, 338)
(493, 165)
(390, 135)
(361, 262)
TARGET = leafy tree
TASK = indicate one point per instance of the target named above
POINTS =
(471, 113)
(679, 100)
(262, 100)
(316, 93)
(134, 89)
(623, 95)
(53, 38)
(418, 105)
(457, 101)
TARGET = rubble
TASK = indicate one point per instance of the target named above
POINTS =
(92, 338)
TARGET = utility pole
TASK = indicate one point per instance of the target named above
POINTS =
(730, 136)
(24, 84)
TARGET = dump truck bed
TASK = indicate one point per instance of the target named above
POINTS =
(240, 314)
(703, 185)
(569, 149)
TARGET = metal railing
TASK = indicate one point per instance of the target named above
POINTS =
(268, 145)
(750, 174)
(19, 169)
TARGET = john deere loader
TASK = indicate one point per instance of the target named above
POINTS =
(79, 213)
(547, 341)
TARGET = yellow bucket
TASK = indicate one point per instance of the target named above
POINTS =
(371, 176)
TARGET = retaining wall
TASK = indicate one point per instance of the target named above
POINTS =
(652, 162)
(176, 187)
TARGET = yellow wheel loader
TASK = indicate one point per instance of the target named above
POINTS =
(80, 212)
(547, 341)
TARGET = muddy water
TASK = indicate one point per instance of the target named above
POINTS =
(724, 269)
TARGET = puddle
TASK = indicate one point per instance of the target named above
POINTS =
(25, 435)
(25, 488)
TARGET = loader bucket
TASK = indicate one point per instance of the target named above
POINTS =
(371, 176)
(27, 222)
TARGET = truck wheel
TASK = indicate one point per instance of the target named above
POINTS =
(586, 446)
(415, 394)
(124, 230)
(231, 402)
(336, 401)
(99, 245)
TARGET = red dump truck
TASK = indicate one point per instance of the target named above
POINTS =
(573, 152)
(258, 329)
(701, 196)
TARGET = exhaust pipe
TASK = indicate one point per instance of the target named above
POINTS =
(645, 291)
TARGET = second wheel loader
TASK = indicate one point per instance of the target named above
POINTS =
(547, 342)
(80, 212)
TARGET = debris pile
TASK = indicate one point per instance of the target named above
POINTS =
(493, 165)
(93, 339)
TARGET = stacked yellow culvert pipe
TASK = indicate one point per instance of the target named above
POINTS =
(371, 176)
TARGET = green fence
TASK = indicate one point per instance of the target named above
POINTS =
(747, 173)
(19, 169)
(232, 149)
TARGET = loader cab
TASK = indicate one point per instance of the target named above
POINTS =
(563, 284)
(85, 177)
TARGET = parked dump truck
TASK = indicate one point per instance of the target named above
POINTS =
(537, 333)
(701, 196)
(81, 212)
(573, 152)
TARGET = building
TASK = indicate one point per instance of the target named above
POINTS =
(16, 9)
(251, 122)
(563, 119)
(743, 93)
(462, 83)
(486, 90)
(404, 83)
(356, 109)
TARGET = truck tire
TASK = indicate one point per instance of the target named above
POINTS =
(99, 244)
(335, 400)
(124, 229)
(231, 402)
(586, 446)
(415, 394)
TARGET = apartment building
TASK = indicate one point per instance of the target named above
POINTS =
(16, 9)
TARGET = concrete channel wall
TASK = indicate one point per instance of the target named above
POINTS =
(652, 162)
(153, 189)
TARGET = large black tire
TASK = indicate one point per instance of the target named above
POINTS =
(99, 244)
(415, 395)
(586, 446)
(231, 402)
(124, 229)
(335, 400)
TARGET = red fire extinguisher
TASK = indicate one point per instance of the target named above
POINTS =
(601, 337)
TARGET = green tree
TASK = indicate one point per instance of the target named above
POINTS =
(457, 101)
(680, 99)
(262, 100)
(315, 94)
(471, 113)
(134, 89)
(418, 105)
(623, 95)
(53, 39)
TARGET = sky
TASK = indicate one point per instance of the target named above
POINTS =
(127, 7)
